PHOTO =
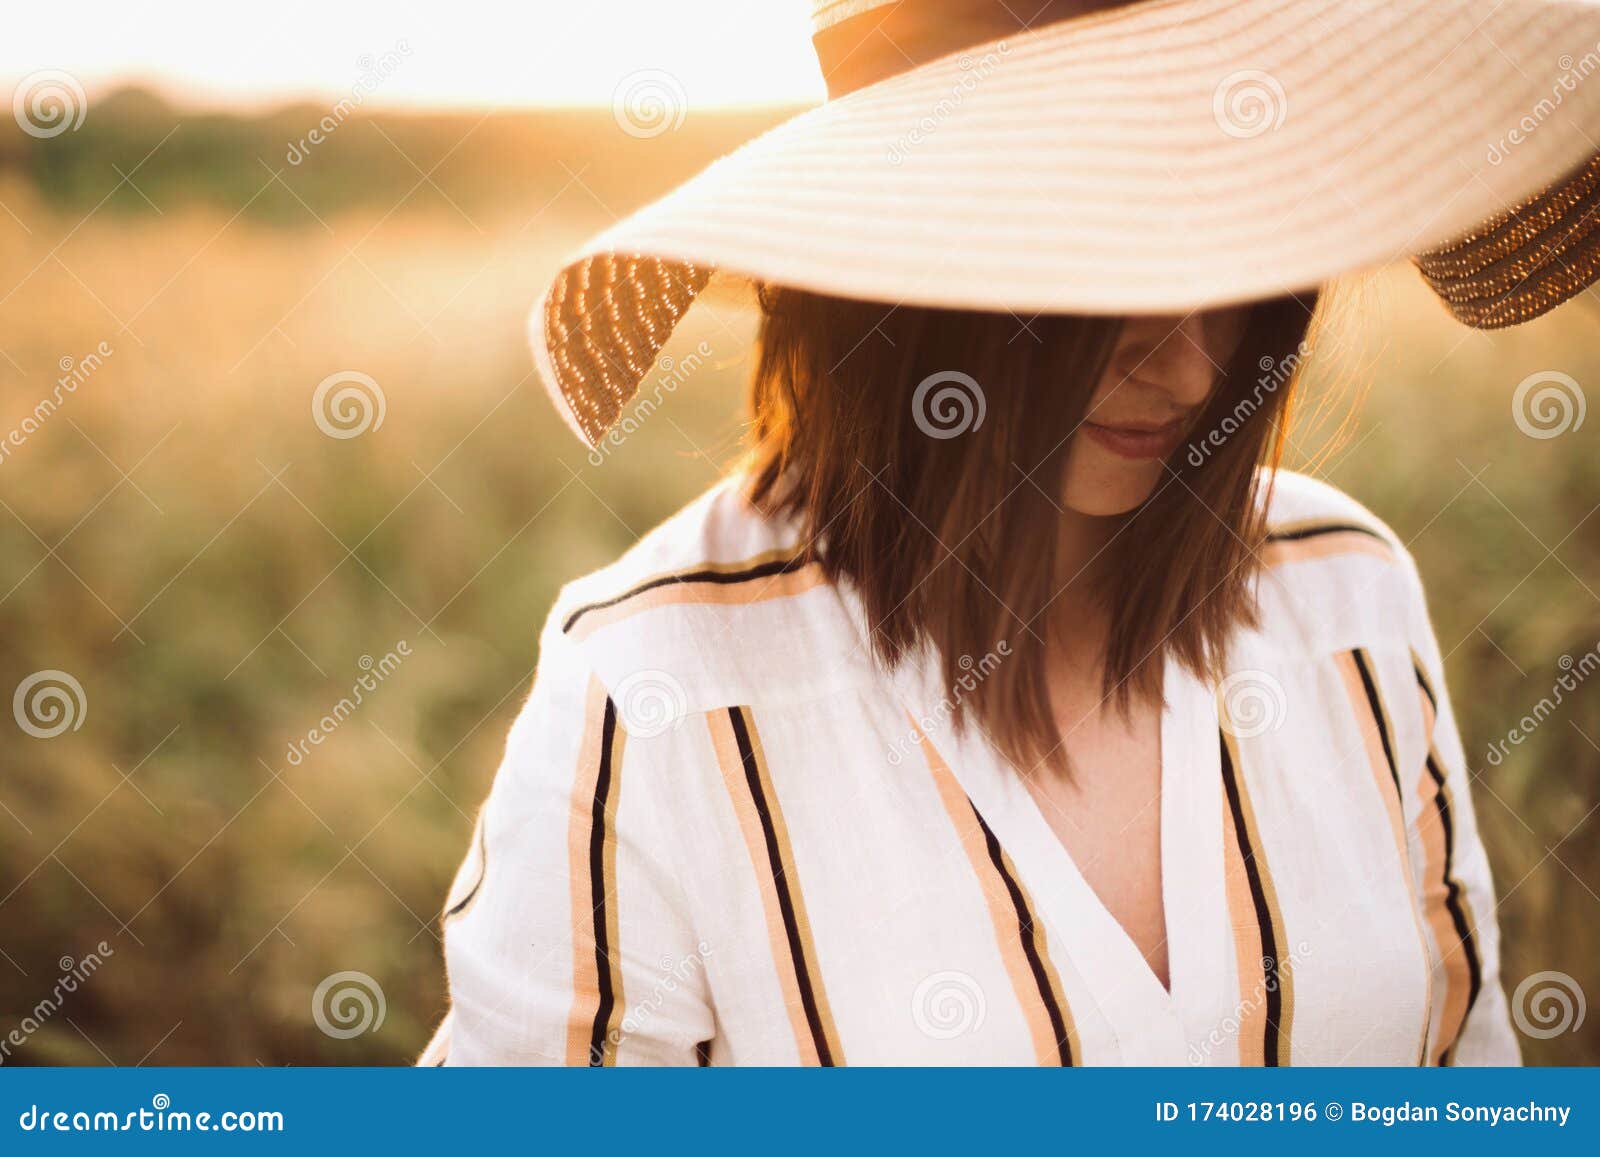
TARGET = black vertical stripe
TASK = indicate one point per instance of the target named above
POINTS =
(1422, 681)
(1271, 967)
(598, 890)
(702, 1054)
(1379, 717)
(1453, 898)
(1369, 684)
(1453, 901)
(1030, 944)
(791, 923)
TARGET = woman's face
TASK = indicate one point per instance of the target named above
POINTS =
(1160, 375)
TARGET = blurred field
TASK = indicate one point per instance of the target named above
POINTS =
(182, 538)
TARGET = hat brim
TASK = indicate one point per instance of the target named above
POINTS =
(1162, 157)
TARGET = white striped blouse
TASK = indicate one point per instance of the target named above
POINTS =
(721, 835)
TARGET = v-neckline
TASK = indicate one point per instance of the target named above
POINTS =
(1112, 966)
(1046, 803)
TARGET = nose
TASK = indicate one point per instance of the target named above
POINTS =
(1181, 364)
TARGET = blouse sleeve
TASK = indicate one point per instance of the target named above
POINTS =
(567, 937)
(1470, 1022)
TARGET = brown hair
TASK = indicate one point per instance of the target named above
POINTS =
(950, 540)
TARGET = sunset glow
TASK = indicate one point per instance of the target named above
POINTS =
(465, 53)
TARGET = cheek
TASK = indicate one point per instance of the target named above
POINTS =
(1103, 389)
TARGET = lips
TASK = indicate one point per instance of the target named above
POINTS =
(1138, 441)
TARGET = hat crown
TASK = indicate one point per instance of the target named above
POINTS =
(827, 13)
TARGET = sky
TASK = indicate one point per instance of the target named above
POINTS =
(435, 53)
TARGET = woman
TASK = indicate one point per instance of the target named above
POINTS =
(1008, 705)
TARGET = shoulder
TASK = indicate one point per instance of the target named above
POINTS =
(719, 605)
(1303, 509)
(717, 538)
(1334, 567)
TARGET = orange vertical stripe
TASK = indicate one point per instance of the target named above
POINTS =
(592, 872)
(1378, 738)
(1444, 903)
(788, 928)
(1270, 967)
(1010, 926)
(1247, 948)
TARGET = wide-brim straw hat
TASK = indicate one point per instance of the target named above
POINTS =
(1155, 157)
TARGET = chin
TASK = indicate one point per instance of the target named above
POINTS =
(1105, 505)
(1109, 491)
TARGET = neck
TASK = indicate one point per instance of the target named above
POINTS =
(1081, 547)
(1082, 542)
